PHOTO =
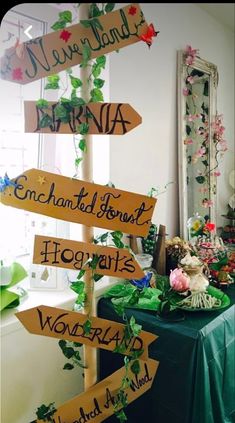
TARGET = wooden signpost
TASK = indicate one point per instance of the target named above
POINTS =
(56, 51)
(78, 201)
(68, 325)
(96, 404)
(69, 254)
(103, 118)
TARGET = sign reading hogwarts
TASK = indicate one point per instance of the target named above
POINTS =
(69, 254)
(56, 51)
(103, 118)
(78, 201)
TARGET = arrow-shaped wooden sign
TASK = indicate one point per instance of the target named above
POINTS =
(103, 118)
(68, 325)
(97, 403)
(56, 51)
(69, 254)
(77, 201)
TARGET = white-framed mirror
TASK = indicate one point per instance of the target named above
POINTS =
(197, 146)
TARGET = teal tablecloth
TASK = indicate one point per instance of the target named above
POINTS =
(195, 382)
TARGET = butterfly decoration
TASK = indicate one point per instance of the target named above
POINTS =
(142, 283)
(6, 182)
(149, 34)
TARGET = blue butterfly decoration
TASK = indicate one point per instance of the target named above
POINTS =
(6, 182)
(142, 283)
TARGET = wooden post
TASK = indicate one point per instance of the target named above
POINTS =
(159, 261)
(90, 355)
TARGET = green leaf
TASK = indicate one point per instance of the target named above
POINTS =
(68, 352)
(119, 290)
(87, 327)
(98, 83)
(66, 16)
(118, 243)
(96, 70)
(97, 277)
(77, 287)
(81, 274)
(135, 327)
(96, 95)
(68, 366)
(101, 61)
(77, 356)
(53, 78)
(97, 24)
(188, 130)
(206, 89)
(58, 25)
(77, 101)
(82, 144)
(121, 416)
(61, 113)
(42, 104)
(62, 344)
(109, 7)
(86, 55)
(78, 160)
(52, 86)
(135, 367)
(94, 11)
(45, 121)
(75, 82)
(86, 23)
(200, 179)
(77, 344)
(83, 128)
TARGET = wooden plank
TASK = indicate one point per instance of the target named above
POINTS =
(118, 262)
(59, 50)
(103, 118)
(77, 201)
(96, 404)
(63, 324)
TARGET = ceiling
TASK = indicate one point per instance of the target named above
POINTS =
(222, 12)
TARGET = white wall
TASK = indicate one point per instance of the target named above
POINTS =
(146, 78)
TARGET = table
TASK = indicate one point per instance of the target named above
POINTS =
(195, 382)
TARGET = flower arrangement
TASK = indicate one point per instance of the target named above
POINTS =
(199, 131)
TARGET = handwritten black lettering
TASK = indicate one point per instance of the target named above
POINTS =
(140, 381)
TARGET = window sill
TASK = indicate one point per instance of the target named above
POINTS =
(61, 299)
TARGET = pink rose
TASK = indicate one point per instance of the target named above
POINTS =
(179, 280)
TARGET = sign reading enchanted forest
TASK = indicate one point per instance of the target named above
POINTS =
(68, 325)
(77, 201)
(56, 51)
(103, 118)
(69, 254)
(97, 403)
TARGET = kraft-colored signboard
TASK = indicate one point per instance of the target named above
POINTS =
(97, 403)
(56, 51)
(70, 254)
(102, 118)
(68, 325)
(82, 202)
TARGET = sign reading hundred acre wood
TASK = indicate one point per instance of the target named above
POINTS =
(97, 403)
(56, 51)
(103, 118)
(68, 325)
(82, 202)
(58, 252)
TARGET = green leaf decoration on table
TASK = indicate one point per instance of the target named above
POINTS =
(11, 299)
(200, 179)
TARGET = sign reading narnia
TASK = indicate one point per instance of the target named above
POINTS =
(68, 325)
(56, 51)
(82, 202)
(97, 403)
(103, 118)
(58, 252)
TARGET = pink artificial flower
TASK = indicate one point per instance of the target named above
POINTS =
(203, 190)
(222, 145)
(189, 60)
(217, 173)
(185, 91)
(201, 151)
(17, 74)
(190, 51)
(207, 203)
(188, 141)
(179, 280)
(190, 79)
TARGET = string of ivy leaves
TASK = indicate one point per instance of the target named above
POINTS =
(62, 112)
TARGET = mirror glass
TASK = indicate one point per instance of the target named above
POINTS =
(198, 161)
